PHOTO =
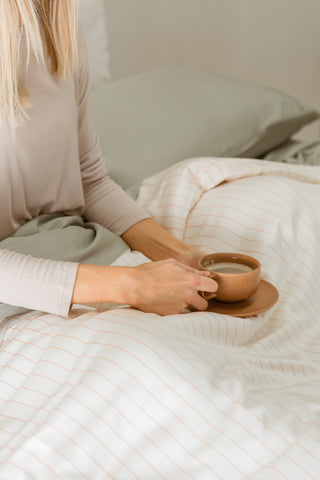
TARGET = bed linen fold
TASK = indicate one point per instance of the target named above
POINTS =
(111, 392)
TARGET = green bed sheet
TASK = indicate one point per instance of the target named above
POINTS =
(298, 152)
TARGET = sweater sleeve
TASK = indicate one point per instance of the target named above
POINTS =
(36, 283)
(105, 201)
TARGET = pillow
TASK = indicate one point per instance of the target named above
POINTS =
(92, 21)
(149, 121)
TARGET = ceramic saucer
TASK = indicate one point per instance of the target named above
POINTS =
(264, 298)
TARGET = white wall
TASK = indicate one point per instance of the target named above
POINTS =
(271, 42)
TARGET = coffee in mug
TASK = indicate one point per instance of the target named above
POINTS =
(237, 275)
(229, 267)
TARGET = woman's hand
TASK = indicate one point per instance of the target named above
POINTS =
(168, 287)
(158, 244)
(191, 257)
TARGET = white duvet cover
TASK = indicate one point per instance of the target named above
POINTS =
(114, 393)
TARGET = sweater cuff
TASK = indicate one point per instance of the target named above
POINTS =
(68, 277)
(36, 283)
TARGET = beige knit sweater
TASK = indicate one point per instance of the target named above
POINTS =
(53, 163)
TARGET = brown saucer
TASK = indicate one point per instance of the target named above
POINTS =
(264, 298)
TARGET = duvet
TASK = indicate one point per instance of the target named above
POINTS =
(114, 393)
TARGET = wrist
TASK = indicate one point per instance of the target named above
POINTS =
(102, 284)
(155, 242)
(184, 254)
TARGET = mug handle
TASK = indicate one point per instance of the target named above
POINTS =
(208, 295)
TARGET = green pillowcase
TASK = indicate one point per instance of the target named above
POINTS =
(147, 122)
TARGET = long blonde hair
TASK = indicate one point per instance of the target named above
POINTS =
(56, 21)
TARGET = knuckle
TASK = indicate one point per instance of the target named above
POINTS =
(190, 298)
(197, 281)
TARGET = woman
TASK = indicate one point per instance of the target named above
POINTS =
(45, 126)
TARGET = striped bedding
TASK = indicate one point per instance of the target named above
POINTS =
(114, 393)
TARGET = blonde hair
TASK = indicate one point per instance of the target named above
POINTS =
(53, 23)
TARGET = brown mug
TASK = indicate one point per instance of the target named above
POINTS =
(237, 275)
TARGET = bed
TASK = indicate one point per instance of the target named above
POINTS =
(112, 392)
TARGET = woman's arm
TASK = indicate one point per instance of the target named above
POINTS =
(166, 286)
(157, 243)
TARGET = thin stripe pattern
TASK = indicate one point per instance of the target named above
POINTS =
(114, 393)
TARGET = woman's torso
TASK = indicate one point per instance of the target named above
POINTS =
(39, 164)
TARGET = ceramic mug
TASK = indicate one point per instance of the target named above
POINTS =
(237, 275)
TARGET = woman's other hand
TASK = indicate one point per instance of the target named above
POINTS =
(192, 257)
(157, 243)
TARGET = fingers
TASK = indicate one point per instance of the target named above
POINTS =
(207, 284)
(199, 303)
(202, 281)
(188, 268)
(204, 273)
(168, 287)
(206, 291)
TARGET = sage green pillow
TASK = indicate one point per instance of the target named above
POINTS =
(147, 122)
